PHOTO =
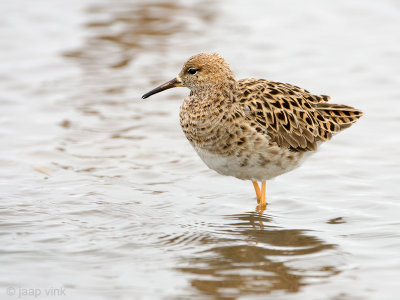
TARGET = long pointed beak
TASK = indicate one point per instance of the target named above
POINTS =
(168, 85)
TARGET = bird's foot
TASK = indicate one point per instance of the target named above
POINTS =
(260, 208)
(260, 193)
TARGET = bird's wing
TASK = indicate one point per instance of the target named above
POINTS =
(289, 115)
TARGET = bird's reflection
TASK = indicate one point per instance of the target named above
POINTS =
(255, 256)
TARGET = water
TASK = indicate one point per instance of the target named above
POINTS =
(103, 198)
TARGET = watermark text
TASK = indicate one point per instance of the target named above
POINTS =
(22, 292)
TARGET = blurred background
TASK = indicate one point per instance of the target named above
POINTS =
(102, 195)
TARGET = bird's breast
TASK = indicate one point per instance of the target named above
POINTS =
(204, 126)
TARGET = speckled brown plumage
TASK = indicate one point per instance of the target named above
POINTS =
(292, 116)
(253, 129)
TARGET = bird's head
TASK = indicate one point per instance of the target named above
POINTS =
(201, 73)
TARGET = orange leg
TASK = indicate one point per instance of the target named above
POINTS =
(258, 191)
(263, 203)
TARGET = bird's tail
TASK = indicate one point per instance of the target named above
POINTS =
(342, 115)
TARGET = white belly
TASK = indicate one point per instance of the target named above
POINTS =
(249, 169)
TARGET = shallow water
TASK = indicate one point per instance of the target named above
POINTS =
(102, 197)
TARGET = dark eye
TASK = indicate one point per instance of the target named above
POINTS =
(192, 71)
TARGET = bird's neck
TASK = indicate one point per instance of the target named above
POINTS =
(217, 94)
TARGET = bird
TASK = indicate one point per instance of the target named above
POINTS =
(252, 129)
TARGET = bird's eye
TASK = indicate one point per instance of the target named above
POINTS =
(192, 71)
